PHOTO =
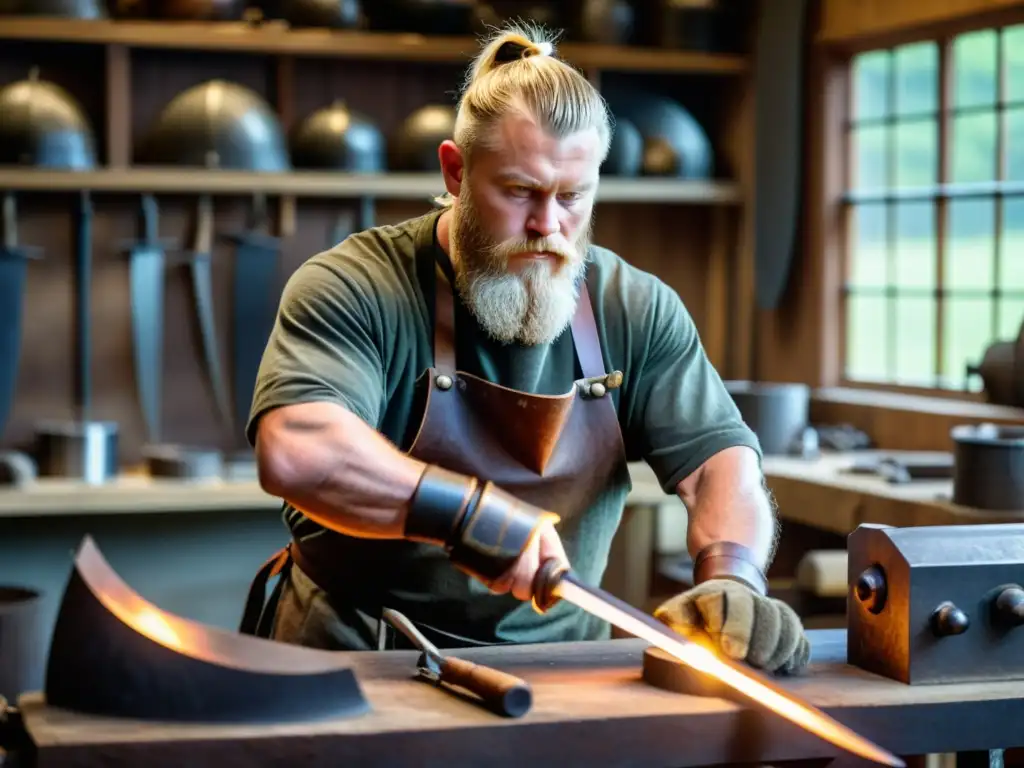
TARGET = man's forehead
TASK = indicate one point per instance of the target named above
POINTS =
(523, 147)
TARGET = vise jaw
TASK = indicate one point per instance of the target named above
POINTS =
(937, 604)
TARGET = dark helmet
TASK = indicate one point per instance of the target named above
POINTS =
(218, 124)
(413, 147)
(338, 139)
(42, 125)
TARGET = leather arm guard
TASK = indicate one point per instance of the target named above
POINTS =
(727, 560)
(483, 528)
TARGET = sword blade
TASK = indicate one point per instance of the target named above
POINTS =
(146, 278)
(746, 682)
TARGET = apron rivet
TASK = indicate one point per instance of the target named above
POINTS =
(597, 389)
(444, 382)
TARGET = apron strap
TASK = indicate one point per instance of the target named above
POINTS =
(584, 326)
(259, 611)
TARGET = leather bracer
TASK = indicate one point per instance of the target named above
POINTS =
(728, 560)
(483, 528)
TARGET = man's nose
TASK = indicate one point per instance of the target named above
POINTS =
(544, 221)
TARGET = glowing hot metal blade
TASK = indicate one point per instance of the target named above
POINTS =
(624, 616)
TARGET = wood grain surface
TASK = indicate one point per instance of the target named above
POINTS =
(591, 708)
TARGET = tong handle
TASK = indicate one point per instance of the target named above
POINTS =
(504, 693)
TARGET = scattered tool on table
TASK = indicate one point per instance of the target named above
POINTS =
(501, 692)
(554, 582)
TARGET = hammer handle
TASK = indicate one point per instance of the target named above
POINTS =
(504, 693)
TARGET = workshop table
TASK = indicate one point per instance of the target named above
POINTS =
(591, 708)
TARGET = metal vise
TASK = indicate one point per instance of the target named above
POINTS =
(937, 604)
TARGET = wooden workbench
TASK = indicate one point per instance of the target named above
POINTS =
(591, 708)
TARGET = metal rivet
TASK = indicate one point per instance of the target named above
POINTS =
(444, 381)
(597, 389)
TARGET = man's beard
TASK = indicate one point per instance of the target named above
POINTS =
(533, 305)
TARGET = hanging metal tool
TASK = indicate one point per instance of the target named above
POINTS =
(201, 269)
(146, 280)
(13, 268)
(256, 296)
(81, 448)
(343, 224)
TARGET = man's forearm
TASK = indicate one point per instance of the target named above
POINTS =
(727, 501)
(336, 469)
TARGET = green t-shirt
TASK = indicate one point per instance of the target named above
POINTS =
(355, 328)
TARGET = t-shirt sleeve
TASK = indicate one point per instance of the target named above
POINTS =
(682, 414)
(325, 345)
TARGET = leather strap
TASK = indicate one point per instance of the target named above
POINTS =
(444, 321)
(729, 560)
(584, 326)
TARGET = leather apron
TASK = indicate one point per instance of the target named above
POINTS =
(557, 452)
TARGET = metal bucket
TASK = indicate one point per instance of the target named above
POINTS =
(79, 450)
(777, 412)
(21, 642)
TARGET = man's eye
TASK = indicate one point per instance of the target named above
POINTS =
(520, 191)
(569, 197)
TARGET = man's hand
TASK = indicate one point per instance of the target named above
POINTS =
(544, 546)
(762, 631)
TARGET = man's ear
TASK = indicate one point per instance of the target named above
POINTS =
(452, 166)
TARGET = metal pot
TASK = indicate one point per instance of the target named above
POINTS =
(778, 413)
(21, 642)
(626, 151)
(86, 451)
(332, 14)
(988, 467)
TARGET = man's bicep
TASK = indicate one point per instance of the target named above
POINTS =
(684, 413)
(325, 347)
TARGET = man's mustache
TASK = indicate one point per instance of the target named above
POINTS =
(554, 247)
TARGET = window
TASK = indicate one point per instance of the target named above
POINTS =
(934, 208)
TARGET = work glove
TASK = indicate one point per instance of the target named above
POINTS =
(745, 625)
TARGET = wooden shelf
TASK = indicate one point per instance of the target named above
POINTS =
(394, 186)
(277, 39)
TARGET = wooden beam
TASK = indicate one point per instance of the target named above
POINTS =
(855, 24)
(277, 39)
(325, 184)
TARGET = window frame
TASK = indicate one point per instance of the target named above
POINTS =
(832, 115)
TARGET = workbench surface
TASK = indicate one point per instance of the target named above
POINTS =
(591, 708)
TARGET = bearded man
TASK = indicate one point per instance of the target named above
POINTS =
(447, 403)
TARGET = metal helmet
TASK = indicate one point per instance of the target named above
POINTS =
(217, 124)
(42, 125)
(336, 138)
(413, 147)
(63, 9)
(675, 144)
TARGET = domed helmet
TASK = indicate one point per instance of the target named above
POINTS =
(336, 138)
(217, 124)
(42, 125)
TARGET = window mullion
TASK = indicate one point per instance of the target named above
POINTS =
(1000, 200)
(941, 204)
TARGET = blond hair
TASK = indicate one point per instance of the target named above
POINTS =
(517, 71)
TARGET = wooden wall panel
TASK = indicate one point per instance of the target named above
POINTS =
(671, 241)
(850, 21)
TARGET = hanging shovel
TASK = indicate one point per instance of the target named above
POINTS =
(201, 269)
(13, 267)
(146, 281)
(256, 296)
